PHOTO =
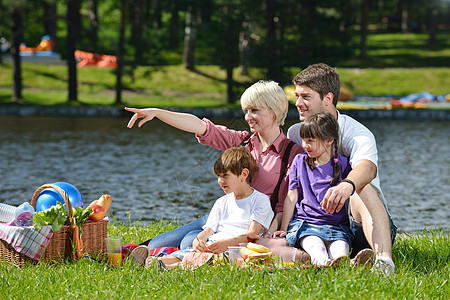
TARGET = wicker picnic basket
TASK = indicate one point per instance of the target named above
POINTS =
(60, 246)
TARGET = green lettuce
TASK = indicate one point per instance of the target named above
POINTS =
(56, 216)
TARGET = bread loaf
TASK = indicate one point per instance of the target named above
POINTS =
(105, 202)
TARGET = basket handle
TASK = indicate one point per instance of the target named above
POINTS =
(63, 194)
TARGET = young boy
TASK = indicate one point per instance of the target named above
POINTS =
(241, 212)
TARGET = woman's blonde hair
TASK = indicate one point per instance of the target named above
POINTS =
(267, 94)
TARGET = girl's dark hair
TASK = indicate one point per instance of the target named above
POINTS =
(323, 126)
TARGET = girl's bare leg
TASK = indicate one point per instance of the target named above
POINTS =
(275, 244)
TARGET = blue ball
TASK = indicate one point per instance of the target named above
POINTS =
(48, 197)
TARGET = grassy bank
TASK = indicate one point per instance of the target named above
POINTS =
(178, 87)
(422, 272)
(396, 64)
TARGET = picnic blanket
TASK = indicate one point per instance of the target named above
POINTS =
(27, 240)
(158, 252)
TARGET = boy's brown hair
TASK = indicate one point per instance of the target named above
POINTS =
(235, 160)
(321, 78)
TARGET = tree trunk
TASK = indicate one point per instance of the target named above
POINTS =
(307, 19)
(402, 12)
(365, 6)
(50, 18)
(120, 53)
(157, 18)
(174, 25)
(229, 38)
(230, 93)
(404, 20)
(147, 10)
(137, 30)
(16, 31)
(432, 25)
(190, 34)
(93, 22)
(245, 42)
(271, 40)
(1, 17)
(73, 13)
(282, 48)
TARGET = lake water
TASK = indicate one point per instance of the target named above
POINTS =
(157, 172)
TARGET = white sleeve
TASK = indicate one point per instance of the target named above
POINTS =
(293, 134)
(363, 147)
(357, 142)
(262, 211)
(215, 214)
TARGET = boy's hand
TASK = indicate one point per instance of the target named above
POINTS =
(219, 246)
(200, 245)
(254, 238)
(279, 233)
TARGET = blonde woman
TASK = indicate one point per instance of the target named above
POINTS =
(265, 107)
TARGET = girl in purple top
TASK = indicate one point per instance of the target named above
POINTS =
(305, 223)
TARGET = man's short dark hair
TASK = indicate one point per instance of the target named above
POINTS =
(321, 78)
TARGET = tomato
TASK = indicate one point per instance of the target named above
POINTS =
(98, 212)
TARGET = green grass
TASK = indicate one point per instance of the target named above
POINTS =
(177, 87)
(396, 64)
(395, 81)
(422, 272)
(164, 86)
(403, 50)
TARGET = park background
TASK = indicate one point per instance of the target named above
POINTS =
(186, 54)
(205, 53)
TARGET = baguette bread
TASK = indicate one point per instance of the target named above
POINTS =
(105, 202)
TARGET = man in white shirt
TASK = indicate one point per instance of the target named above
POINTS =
(317, 89)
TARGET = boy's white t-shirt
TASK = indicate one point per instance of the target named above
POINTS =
(230, 217)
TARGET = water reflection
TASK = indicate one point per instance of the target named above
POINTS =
(157, 172)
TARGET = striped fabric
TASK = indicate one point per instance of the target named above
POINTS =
(27, 240)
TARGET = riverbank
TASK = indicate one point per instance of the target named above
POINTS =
(218, 112)
(422, 272)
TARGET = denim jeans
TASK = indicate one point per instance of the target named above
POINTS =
(299, 228)
(181, 237)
